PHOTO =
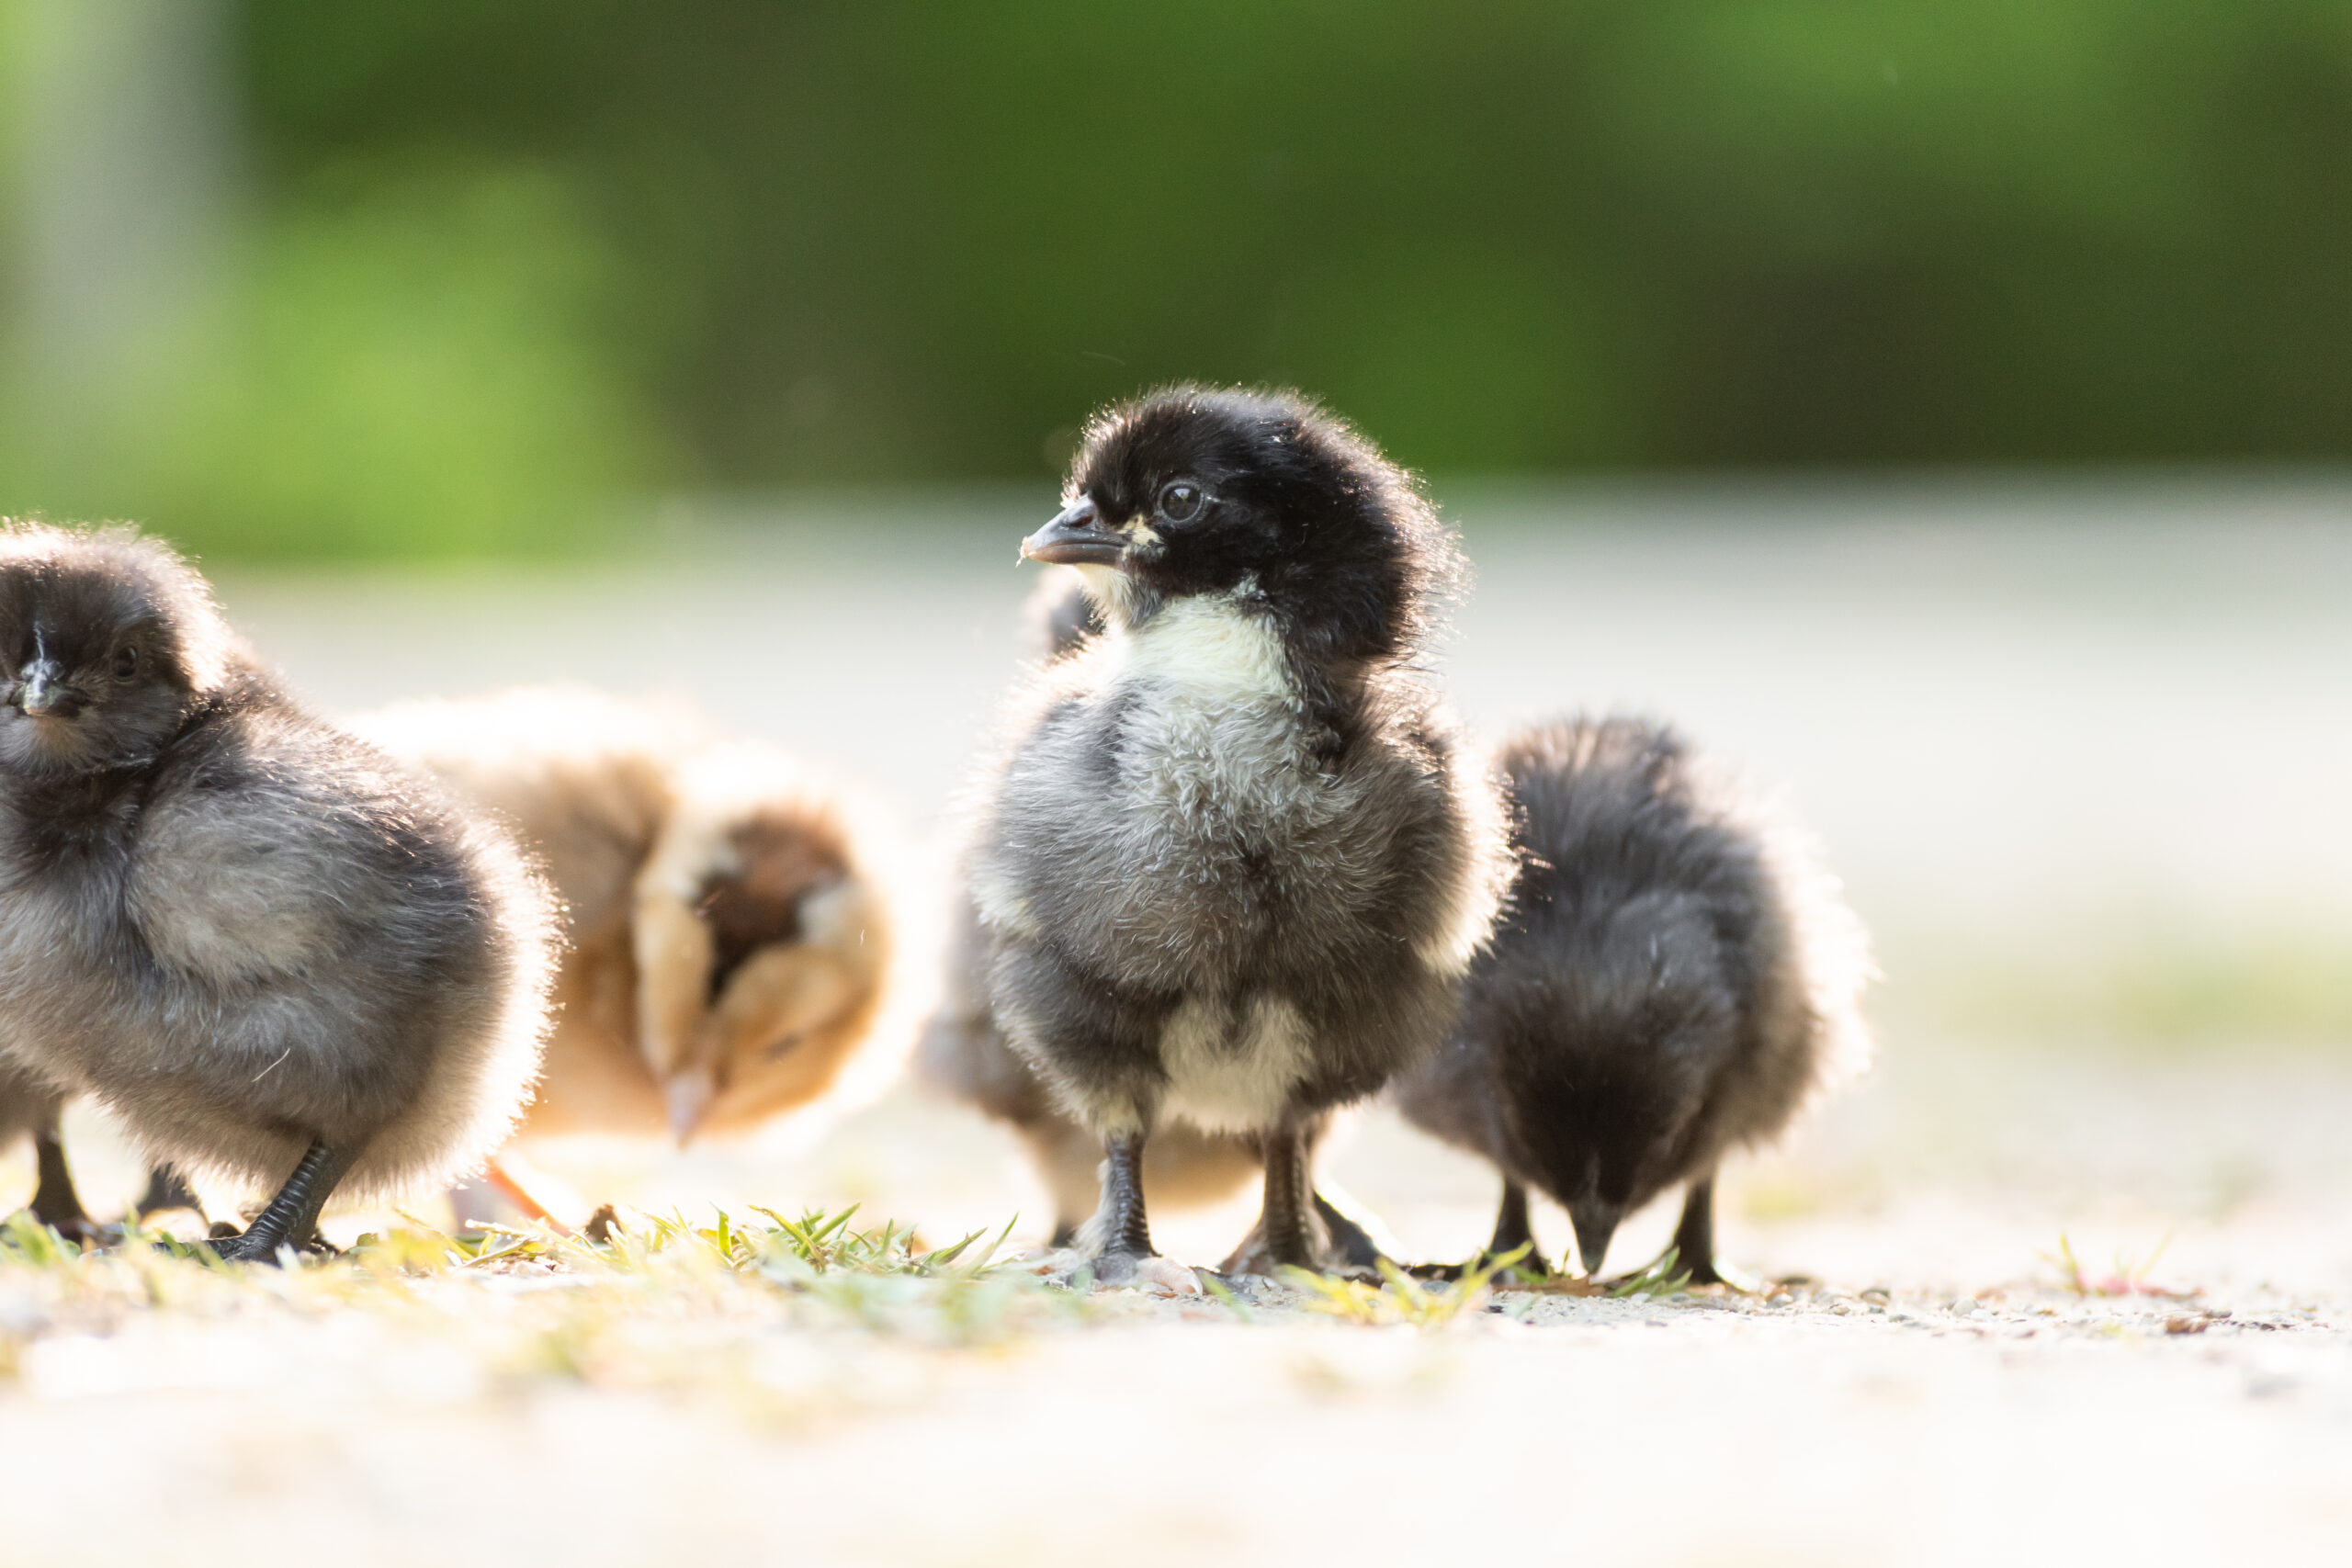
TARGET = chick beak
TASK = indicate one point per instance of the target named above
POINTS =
(1595, 1219)
(1078, 536)
(690, 1094)
(43, 694)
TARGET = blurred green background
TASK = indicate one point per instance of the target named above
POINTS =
(448, 276)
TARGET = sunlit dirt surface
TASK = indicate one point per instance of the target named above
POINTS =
(1939, 1388)
(2069, 1276)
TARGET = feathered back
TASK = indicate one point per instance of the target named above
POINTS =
(737, 917)
(1628, 836)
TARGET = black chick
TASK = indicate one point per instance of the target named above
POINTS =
(1236, 861)
(963, 1054)
(1674, 976)
(273, 954)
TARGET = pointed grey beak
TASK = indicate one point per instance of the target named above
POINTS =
(1596, 1222)
(43, 694)
(1077, 538)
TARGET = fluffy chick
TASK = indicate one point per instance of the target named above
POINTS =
(1235, 862)
(963, 1054)
(733, 938)
(1674, 976)
(276, 954)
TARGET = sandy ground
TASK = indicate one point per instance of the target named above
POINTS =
(2020, 737)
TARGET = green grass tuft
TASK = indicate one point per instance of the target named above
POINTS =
(1399, 1298)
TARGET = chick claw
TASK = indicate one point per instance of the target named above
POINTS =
(244, 1246)
(1118, 1268)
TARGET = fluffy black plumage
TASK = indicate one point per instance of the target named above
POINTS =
(1234, 863)
(963, 1054)
(274, 953)
(1673, 976)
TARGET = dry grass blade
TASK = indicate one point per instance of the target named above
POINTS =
(2126, 1278)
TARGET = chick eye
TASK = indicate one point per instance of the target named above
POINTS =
(126, 663)
(1181, 501)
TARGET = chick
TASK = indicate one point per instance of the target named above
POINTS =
(964, 1054)
(732, 929)
(1674, 976)
(1235, 862)
(274, 953)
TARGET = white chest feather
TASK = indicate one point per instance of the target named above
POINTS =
(1211, 648)
(1215, 740)
(1228, 1072)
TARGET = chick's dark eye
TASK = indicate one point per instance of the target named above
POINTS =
(126, 663)
(1181, 501)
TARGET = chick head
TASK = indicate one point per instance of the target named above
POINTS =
(107, 642)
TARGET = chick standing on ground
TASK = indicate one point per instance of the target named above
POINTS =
(274, 953)
(1674, 976)
(733, 941)
(965, 1055)
(1236, 862)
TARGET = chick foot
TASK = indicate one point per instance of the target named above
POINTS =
(1296, 1228)
(1119, 1267)
(1117, 1241)
(249, 1246)
(292, 1217)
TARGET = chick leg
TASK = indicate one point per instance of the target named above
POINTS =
(56, 1202)
(1694, 1234)
(1513, 1230)
(1287, 1231)
(292, 1217)
(166, 1188)
(1119, 1236)
(517, 1194)
(1351, 1242)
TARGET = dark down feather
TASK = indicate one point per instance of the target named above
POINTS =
(1235, 862)
(962, 1054)
(1673, 976)
(266, 947)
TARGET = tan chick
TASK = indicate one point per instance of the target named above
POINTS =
(732, 943)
